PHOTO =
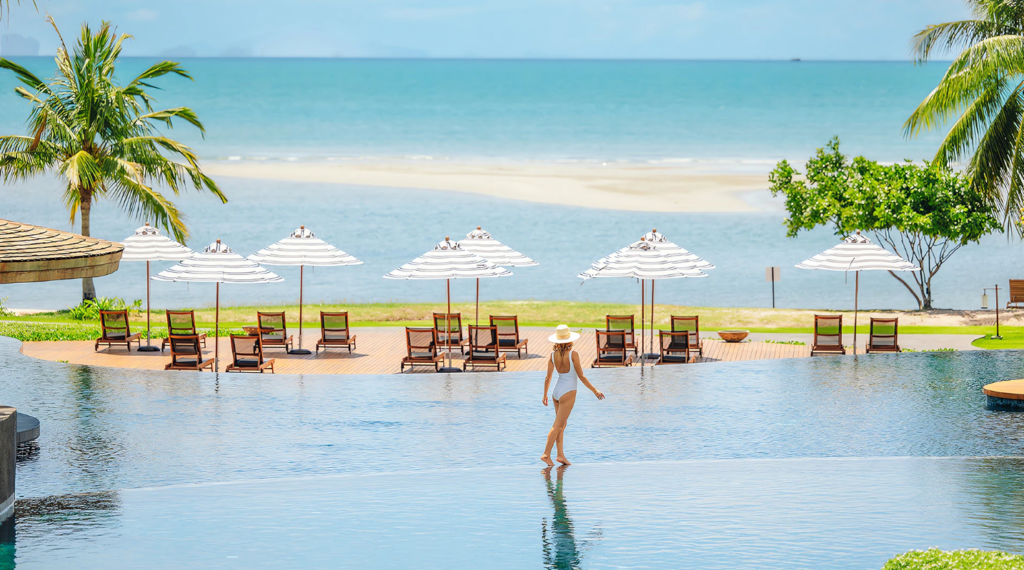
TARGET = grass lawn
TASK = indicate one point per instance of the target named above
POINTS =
(1012, 338)
(531, 313)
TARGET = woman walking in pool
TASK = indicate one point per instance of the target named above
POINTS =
(566, 362)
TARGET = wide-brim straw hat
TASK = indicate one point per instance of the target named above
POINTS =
(563, 335)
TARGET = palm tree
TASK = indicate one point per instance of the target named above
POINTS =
(100, 138)
(982, 96)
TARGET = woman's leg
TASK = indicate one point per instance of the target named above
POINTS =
(560, 457)
(563, 407)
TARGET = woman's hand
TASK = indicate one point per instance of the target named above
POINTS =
(599, 394)
(545, 399)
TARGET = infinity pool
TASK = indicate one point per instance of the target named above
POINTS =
(812, 463)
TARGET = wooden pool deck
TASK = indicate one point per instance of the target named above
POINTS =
(380, 351)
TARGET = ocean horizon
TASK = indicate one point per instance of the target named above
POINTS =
(716, 112)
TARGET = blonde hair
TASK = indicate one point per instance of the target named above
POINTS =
(561, 349)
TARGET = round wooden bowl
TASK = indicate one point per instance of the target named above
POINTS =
(733, 336)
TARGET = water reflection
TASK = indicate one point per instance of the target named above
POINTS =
(561, 549)
(56, 516)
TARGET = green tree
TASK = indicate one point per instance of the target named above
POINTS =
(101, 138)
(924, 213)
(981, 97)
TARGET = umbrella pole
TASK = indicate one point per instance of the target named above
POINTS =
(300, 350)
(477, 301)
(448, 322)
(216, 333)
(149, 343)
(856, 295)
(643, 317)
(652, 316)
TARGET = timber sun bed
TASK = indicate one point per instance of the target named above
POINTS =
(182, 323)
(883, 336)
(116, 330)
(612, 349)
(508, 335)
(483, 348)
(186, 354)
(274, 331)
(421, 348)
(334, 332)
(247, 355)
(828, 335)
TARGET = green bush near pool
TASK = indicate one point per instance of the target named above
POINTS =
(935, 559)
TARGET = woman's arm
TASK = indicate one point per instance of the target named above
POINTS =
(579, 370)
(547, 380)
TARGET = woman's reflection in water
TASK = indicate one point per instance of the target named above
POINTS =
(558, 535)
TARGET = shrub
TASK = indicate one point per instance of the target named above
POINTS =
(89, 309)
(935, 559)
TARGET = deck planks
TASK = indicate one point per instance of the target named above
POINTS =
(380, 351)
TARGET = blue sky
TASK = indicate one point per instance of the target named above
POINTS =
(713, 29)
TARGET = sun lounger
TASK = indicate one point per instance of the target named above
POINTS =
(508, 335)
(186, 354)
(116, 330)
(675, 347)
(828, 335)
(334, 332)
(455, 324)
(273, 331)
(421, 345)
(622, 323)
(1016, 293)
(690, 325)
(612, 349)
(247, 355)
(884, 336)
(483, 348)
(181, 323)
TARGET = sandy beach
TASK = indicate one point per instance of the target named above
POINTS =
(633, 187)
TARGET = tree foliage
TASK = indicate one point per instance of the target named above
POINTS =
(102, 138)
(981, 98)
(924, 213)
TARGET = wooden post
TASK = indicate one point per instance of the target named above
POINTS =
(652, 316)
(478, 300)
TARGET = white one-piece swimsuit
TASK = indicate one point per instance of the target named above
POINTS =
(566, 381)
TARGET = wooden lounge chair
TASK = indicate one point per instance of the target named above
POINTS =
(181, 323)
(247, 354)
(455, 324)
(186, 353)
(622, 323)
(508, 335)
(690, 325)
(334, 332)
(828, 335)
(483, 348)
(1016, 293)
(675, 347)
(612, 349)
(273, 331)
(884, 336)
(116, 330)
(421, 345)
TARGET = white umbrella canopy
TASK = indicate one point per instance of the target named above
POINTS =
(856, 253)
(448, 260)
(218, 264)
(652, 257)
(148, 244)
(481, 242)
(303, 248)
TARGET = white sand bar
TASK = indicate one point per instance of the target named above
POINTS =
(632, 187)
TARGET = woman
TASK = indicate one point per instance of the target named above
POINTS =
(567, 362)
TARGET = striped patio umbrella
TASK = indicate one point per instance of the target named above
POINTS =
(448, 260)
(218, 264)
(481, 243)
(652, 257)
(148, 244)
(857, 254)
(303, 248)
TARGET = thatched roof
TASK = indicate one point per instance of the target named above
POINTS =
(30, 254)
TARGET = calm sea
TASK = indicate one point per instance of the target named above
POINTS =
(724, 115)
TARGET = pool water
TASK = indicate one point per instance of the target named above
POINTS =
(833, 462)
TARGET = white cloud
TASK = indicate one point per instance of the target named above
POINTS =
(142, 15)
